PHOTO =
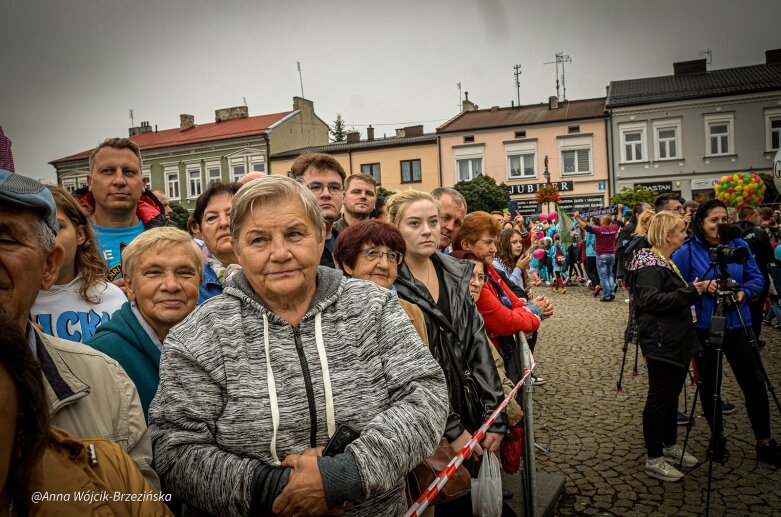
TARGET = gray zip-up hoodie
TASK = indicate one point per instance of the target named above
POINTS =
(213, 421)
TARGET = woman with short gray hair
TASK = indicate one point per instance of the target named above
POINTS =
(256, 381)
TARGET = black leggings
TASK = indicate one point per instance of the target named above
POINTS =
(591, 270)
(660, 426)
(748, 375)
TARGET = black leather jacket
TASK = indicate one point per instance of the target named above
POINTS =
(465, 338)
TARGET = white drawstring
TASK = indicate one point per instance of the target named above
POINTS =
(272, 394)
(272, 386)
(329, 399)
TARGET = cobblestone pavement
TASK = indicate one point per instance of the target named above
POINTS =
(594, 433)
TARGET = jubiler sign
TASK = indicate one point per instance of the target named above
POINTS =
(531, 188)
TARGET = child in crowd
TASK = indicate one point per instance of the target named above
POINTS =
(81, 298)
(558, 260)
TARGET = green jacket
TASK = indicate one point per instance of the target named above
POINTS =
(124, 340)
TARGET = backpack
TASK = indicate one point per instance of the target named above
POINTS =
(561, 259)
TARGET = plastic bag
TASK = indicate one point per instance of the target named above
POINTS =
(487, 488)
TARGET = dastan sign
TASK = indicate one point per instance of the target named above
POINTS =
(531, 188)
(662, 186)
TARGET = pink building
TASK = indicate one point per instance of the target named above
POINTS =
(510, 145)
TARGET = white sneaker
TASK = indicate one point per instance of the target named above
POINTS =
(674, 453)
(663, 470)
(538, 381)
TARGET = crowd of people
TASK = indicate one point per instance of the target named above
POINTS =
(305, 345)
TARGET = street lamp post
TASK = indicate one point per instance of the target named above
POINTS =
(546, 174)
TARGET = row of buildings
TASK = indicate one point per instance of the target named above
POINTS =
(680, 133)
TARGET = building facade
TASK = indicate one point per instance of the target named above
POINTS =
(513, 145)
(407, 161)
(181, 162)
(683, 132)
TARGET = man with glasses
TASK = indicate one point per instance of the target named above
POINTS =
(325, 178)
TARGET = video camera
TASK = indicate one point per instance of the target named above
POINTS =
(722, 254)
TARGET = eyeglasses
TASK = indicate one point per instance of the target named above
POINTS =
(480, 278)
(317, 187)
(374, 255)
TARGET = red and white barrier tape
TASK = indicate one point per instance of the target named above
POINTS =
(443, 477)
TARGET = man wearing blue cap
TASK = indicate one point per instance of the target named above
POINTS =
(89, 393)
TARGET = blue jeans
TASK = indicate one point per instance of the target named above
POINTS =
(605, 269)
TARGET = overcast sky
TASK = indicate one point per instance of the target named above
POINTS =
(71, 70)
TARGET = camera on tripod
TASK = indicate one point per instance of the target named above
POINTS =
(722, 254)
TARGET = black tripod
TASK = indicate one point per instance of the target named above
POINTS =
(726, 300)
(630, 335)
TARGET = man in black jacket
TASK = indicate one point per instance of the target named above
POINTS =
(759, 242)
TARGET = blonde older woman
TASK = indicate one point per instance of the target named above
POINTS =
(163, 269)
(255, 381)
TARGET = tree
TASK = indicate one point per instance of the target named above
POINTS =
(482, 193)
(383, 192)
(180, 215)
(338, 133)
(631, 197)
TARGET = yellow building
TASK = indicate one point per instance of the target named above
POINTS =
(407, 161)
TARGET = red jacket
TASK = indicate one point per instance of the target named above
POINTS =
(499, 320)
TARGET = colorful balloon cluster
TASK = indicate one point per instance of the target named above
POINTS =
(740, 189)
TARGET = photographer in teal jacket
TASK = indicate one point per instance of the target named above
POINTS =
(163, 270)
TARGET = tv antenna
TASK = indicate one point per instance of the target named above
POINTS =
(517, 74)
(300, 78)
(132, 120)
(561, 58)
(707, 52)
(245, 101)
(460, 103)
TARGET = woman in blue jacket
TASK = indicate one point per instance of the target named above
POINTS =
(693, 260)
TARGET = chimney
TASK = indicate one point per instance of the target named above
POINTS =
(399, 133)
(236, 112)
(369, 133)
(413, 131)
(696, 66)
(186, 121)
(773, 57)
(553, 102)
(353, 137)
(145, 127)
(300, 103)
(466, 104)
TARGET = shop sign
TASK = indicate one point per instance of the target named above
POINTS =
(531, 188)
(661, 186)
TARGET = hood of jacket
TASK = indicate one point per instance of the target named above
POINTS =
(646, 258)
(149, 209)
(329, 283)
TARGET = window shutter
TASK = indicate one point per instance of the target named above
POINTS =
(583, 162)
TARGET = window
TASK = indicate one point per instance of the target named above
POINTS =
(238, 168)
(373, 170)
(573, 129)
(469, 162)
(147, 173)
(719, 135)
(520, 134)
(667, 139)
(172, 182)
(82, 181)
(575, 155)
(521, 160)
(773, 129)
(633, 142)
(69, 185)
(194, 181)
(257, 163)
(410, 171)
(213, 172)
(468, 139)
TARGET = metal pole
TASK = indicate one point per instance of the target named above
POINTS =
(529, 464)
(300, 78)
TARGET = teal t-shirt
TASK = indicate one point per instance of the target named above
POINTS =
(110, 242)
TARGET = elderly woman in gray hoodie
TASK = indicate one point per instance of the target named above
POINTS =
(258, 379)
